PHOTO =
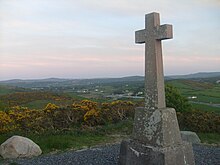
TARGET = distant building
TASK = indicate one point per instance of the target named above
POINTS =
(130, 94)
(140, 93)
(192, 97)
(83, 91)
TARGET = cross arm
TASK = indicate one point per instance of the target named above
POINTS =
(164, 32)
(140, 36)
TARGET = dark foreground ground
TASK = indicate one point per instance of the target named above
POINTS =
(108, 155)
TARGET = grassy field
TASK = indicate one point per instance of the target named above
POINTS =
(206, 98)
(4, 90)
(205, 107)
(205, 92)
(38, 104)
(210, 138)
(79, 138)
(53, 143)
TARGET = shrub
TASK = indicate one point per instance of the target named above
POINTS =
(6, 122)
(89, 104)
(122, 109)
(92, 117)
(21, 116)
(199, 121)
(49, 107)
(106, 114)
(175, 100)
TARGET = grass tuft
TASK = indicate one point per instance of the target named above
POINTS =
(210, 138)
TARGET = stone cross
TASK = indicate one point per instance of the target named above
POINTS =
(154, 79)
(156, 136)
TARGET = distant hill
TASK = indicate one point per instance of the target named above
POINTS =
(57, 82)
(36, 83)
(196, 75)
(33, 80)
(111, 80)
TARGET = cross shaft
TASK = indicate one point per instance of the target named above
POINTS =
(154, 78)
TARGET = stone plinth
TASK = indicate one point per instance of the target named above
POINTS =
(156, 140)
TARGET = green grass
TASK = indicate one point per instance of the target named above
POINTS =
(62, 141)
(76, 139)
(5, 90)
(205, 92)
(37, 104)
(123, 128)
(207, 99)
(196, 88)
(209, 93)
(68, 140)
(74, 95)
(210, 138)
(205, 107)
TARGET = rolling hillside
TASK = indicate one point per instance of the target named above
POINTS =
(203, 92)
(56, 82)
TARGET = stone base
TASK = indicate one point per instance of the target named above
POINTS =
(135, 153)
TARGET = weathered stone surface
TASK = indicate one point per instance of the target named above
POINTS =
(189, 136)
(156, 138)
(18, 146)
(136, 153)
(154, 79)
(157, 127)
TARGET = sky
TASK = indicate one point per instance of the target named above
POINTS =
(93, 38)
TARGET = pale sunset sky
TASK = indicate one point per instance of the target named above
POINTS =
(95, 38)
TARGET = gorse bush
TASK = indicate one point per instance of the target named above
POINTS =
(6, 122)
(56, 118)
(199, 121)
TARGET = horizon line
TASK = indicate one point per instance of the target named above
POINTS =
(68, 78)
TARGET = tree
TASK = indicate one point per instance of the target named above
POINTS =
(175, 100)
